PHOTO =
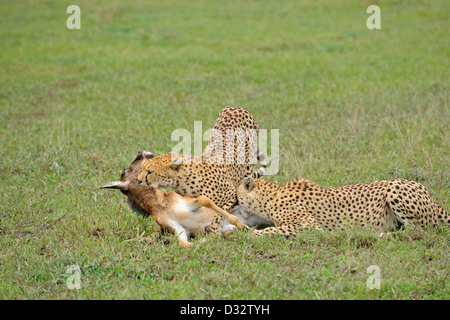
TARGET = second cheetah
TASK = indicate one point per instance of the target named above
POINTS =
(303, 204)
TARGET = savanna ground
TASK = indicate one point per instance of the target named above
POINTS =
(352, 105)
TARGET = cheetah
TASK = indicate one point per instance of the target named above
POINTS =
(214, 176)
(303, 204)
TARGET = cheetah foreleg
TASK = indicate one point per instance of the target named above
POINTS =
(288, 231)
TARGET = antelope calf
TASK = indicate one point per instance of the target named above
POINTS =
(181, 216)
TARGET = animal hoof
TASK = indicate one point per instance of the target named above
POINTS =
(186, 244)
(240, 225)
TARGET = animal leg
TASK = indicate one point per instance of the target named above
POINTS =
(288, 231)
(217, 223)
(206, 202)
(184, 243)
(263, 162)
(421, 212)
(290, 228)
(179, 232)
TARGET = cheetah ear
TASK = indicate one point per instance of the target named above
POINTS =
(177, 160)
(249, 183)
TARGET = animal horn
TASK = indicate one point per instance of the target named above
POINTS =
(116, 185)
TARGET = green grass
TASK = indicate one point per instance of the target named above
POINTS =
(352, 105)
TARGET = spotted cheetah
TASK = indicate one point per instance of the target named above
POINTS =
(303, 204)
(214, 176)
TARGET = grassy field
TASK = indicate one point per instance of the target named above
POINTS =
(352, 105)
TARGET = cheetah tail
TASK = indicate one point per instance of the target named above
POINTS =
(262, 170)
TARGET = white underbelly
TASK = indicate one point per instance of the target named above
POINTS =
(191, 218)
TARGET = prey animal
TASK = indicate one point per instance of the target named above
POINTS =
(181, 216)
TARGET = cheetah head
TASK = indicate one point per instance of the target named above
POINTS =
(161, 170)
(249, 198)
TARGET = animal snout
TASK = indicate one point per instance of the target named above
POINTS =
(139, 180)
